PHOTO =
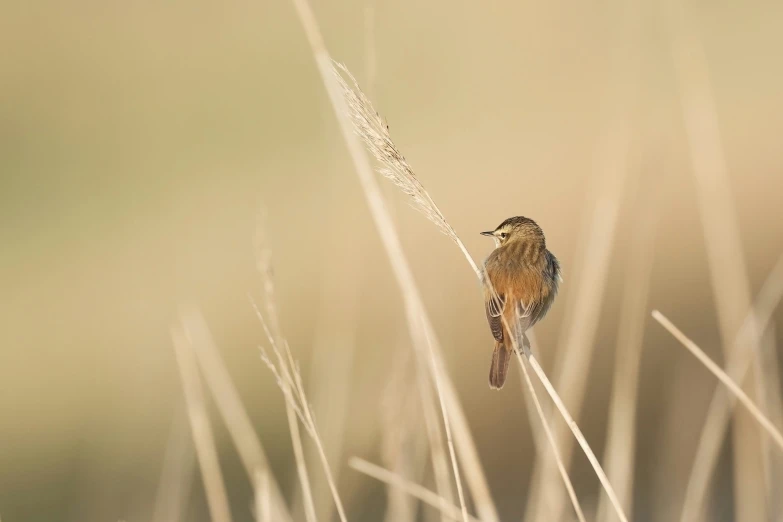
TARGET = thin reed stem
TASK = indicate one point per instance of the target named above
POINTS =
(263, 503)
(619, 455)
(414, 490)
(178, 467)
(301, 465)
(727, 267)
(230, 407)
(722, 404)
(722, 376)
(288, 378)
(204, 441)
(414, 306)
(369, 125)
(545, 425)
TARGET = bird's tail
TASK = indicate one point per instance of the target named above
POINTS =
(499, 368)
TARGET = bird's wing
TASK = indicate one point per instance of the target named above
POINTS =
(494, 307)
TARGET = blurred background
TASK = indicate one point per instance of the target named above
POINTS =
(139, 141)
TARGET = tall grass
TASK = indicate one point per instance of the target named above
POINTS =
(374, 132)
(448, 439)
(203, 438)
(728, 272)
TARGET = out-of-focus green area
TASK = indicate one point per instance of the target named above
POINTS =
(139, 140)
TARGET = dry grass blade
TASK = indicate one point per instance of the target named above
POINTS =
(230, 406)
(177, 474)
(721, 405)
(619, 455)
(722, 376)
(380, 143)
(415, 312)
(404, 448)
(545, 426)
(375, 133)
(727, 268)
(440, 462)
(287, 373)
(263, 504)
(415, 490)
(202, 431)
(370, 126)
(571, 424)
(577, 344)
(301, 465)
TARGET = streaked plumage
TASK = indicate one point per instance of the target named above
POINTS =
(525, 277)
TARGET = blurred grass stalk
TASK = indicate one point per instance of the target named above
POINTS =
(404, 446)
(334, 348)
(619, 455)
(202, 431)
(762, 419)
(262, 498)
(421, 330)
(450, 511)
(721, 405)
(724, 248)
(577, 343)
(230, 407)
(177, 473)
(370, 126)
(550, 438)
(290, 382)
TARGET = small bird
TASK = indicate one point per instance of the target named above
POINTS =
(520, 281)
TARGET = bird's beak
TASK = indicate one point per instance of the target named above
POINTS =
(490, 233)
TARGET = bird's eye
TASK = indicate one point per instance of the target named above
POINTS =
(503, 235)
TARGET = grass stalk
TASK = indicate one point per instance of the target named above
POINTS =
(728, 272)
(721, 405)
(619, 455)
(230, 407)
(374, 132)
(722, 376)
(288, 378)
(413, 303)
(203, 439)
(548, 432)
(420, 492)
(177, 473)
(262, 497)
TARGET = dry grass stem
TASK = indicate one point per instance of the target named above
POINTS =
(202, 431)
(728, 271)
(404, 448)
(375, 133)
(721, 405)
(301, 465)
(722, 376)
(577, 343)
(263, 503)
(571, 424)
(440, 462)
(177, 474)
(619, 455)
(552, 443)
(334, 347)
(289, 380)
(415, 311)
(376, 136)
(420, 492)
(230, 406)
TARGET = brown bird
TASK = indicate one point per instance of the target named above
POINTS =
(520, 283)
